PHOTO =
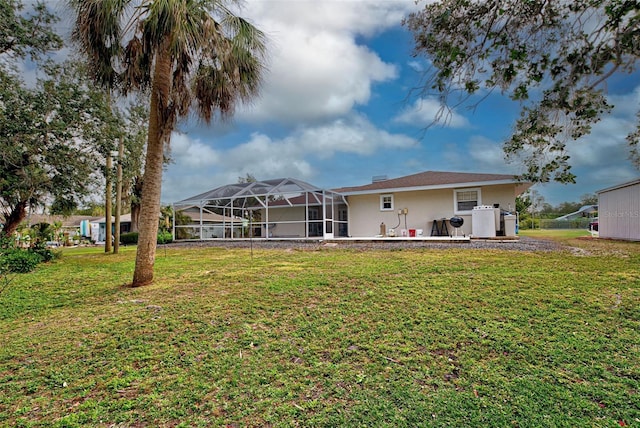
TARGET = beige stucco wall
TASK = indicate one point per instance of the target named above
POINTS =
(278, 215)
(290, 221)
(423, 207)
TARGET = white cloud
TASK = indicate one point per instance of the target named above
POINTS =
(353, 134)
(317, 68)
(478, 154)
(607, 141)
(365, 17)
(417, 66)
(426, 111)
(198, 167)
(287, 156)
(601, 154)
(267, 158)
(488, 155)
(612, 175)
(599, 160)
(318, 77)
(192, 153)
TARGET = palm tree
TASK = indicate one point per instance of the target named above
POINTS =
(186, 53)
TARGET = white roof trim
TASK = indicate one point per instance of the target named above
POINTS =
(620, 186)
(430, 187)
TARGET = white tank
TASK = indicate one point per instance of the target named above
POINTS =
(483, 222)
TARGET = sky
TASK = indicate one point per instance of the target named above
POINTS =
(335, 110)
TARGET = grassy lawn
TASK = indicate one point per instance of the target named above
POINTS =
(333, 337)
(555, 234)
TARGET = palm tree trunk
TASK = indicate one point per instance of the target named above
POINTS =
(159, 131)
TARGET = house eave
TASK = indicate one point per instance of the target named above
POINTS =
(430, 187)
(620, 186)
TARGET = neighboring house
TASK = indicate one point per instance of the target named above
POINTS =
(586, 211)
(619, 211)
(415, 205)
(415, 201)
(69, 226)
(74, 227)
(97, 227)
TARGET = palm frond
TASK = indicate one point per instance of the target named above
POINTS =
(136, 74)
(232, 65)
(97, 30)
(245, 35)
(216, 57)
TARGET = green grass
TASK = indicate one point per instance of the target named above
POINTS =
(555, 234)
(334, 337)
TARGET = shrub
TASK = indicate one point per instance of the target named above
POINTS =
(526, 224)
(6, 247)
(4, 265)
(165, 238)
(21, 261)
(45, 254)
(130, 238)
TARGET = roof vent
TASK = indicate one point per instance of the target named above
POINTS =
(379, 178)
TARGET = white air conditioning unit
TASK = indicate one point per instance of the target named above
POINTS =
(483, 222)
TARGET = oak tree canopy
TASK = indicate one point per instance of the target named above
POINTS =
(555, 57)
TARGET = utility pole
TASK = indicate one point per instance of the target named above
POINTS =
(116, 242)
(107, 206)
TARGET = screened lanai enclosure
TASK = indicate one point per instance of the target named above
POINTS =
(282, 208)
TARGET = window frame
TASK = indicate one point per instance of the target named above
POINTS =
(478, 191)
(382, 202)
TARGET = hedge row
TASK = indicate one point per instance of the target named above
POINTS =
(131, 238)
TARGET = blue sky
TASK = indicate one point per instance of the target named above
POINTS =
(335, 111)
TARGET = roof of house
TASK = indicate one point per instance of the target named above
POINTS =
(620, 186)
(431, 180)
(124, 218)
(68, 221)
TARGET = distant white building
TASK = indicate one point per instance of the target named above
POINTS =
(619, 211)
(585, 211)
(96, 228)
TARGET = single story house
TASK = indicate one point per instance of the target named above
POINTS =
(413, 206)
(425, 201)
(619, 211)
(66, 228)
(96, 227)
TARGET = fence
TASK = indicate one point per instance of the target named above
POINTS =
(579, 223)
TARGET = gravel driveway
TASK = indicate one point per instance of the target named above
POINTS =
(522, 244)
